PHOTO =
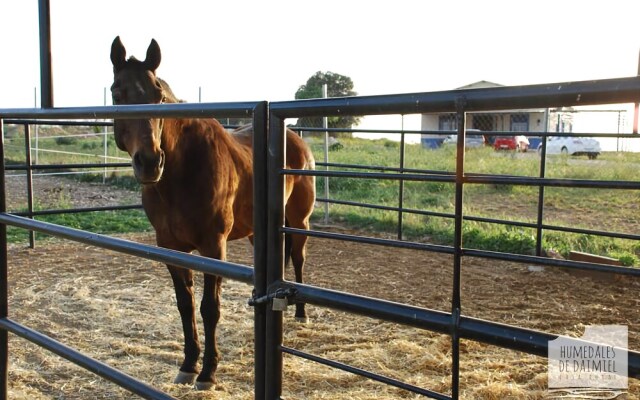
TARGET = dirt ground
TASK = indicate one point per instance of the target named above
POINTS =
(122, 311)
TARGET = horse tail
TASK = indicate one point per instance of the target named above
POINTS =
(288, 243)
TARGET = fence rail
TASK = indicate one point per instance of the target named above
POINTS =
(267, 276)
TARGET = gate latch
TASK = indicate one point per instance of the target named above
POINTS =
(279, 299)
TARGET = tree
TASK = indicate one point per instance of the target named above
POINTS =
(337, 86)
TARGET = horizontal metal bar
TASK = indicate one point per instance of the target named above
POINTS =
(468, 252)
(99, 368)
(22, 167)
(533, 225)
(364, 373)
(527, 340)
(56, 122)
(507, 336)
(351, 130)
(370, 240)
(79, 210)
(444, 133)
(606, 91)
(357, 204)
(384, 168)
(225, 269)
(370, 175)
(521, 258)
(175, 110)
(433, 320)
(530, 225)
(618, 235)
(551, 182)
(475, 179)
(386, 208)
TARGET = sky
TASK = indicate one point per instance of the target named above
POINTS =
(249, 50)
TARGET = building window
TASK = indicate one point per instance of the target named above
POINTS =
(520, 122)
(447, 122)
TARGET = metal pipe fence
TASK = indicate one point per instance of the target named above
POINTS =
(30, 167)
(225, 269)
(267, 276)
(455, 324)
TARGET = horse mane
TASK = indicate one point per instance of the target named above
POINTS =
(169, 96)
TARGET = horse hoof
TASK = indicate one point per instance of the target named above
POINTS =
(185, 378)
(302, 320)
(204, 385)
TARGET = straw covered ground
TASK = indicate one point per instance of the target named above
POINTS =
(121, 310)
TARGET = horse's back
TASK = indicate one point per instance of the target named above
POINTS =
(299, 155)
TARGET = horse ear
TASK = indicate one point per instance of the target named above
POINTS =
(152, 61)
(118, 54)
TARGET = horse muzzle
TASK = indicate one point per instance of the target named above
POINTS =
(148, 167)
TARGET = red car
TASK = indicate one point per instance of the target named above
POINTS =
(518, 143)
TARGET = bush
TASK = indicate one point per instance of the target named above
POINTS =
(66, 140)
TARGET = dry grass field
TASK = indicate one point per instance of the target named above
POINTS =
(121, 310)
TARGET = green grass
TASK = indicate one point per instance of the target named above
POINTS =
(599, 209)
(90, 149)
(611, 210)
(104, 222)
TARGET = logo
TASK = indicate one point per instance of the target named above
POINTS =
(594, 363)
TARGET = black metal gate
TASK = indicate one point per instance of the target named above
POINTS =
(454, 323)
(268, 274)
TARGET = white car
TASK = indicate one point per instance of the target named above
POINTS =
(575, 146)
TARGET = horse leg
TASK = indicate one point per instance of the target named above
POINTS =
(297, 213)
(183, 285)
(298, 255)
(210, 311)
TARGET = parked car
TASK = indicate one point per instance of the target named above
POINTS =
(574, 146)
(472, 139)
(518, 143)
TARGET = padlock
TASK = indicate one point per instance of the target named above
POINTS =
(279, 304)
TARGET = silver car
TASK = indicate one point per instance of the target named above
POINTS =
(472, 140)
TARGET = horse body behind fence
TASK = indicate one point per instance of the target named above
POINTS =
(198, 193)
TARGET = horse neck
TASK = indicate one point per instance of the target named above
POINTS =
(169, 97)
(170, 127)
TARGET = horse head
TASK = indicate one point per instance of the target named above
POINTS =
(135, 82)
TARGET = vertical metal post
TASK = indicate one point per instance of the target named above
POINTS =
(105, 143)
(35, 105)
(456, 304)
(543, 169)
(636, 109)
(325, 125)
(275, 255)
(46, 80)
(401, 186)
(27, 145)
(260, 235)
(4, 287)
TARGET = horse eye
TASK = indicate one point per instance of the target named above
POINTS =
(117, 96)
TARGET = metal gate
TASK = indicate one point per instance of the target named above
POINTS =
(454, 323)
(268, 273)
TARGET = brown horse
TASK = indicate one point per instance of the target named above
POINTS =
(197, 191)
